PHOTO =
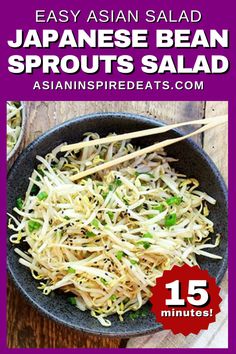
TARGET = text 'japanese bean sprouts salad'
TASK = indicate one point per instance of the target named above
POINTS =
(106, 238)
(14, 121)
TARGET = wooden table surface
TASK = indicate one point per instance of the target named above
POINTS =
(27, 328)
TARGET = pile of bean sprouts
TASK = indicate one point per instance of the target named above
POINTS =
(14, 119)
(106, 238)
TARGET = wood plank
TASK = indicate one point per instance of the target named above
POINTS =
(26, 327)
(44, 115)
(215, 141)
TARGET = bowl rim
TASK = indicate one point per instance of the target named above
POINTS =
(107, 115)
(22, 132)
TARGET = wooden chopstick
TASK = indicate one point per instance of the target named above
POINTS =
(146, 150)
(137, 134)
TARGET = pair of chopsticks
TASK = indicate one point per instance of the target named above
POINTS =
(207, 124)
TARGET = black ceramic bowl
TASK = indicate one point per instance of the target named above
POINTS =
(193, 162)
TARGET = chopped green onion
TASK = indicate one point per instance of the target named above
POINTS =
(132, 261)
(33, 225)
(159, 207)
(150, 216)
(137, 314)
(147, 235)
(104, 195)
(66, 217)
(42, 196)
(118, 182)
(174, 200)
(110, 214)
(103, 281)
(90, 234)
(119, 255)
(170, 220)
(145, 244)
(59, 233)
(72, 300)
(133, 316)
(19, 203)
(71, 270)
(95, 223)
(113, 297)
